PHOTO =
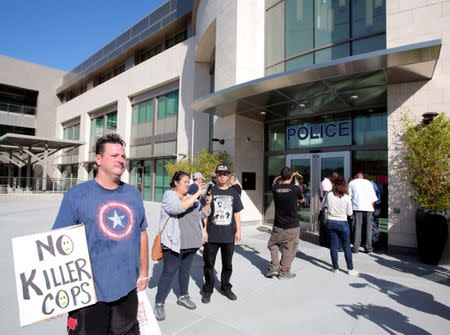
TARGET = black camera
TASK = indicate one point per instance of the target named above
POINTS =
(208, 189)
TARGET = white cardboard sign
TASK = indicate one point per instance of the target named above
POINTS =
(53, 273)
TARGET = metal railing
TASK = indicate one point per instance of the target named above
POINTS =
(35, 184)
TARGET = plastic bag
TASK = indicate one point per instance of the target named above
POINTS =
(147, 321)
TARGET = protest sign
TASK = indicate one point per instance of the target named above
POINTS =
(53, 273)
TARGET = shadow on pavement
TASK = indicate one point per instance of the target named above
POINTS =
(406, 296)
(436, 274)
(313, 260)
(391, 321)
(253, 256)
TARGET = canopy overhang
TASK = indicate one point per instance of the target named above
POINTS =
(27, 150)
(346, 84)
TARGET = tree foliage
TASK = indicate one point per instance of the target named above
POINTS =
(204, 162)
(427, 155)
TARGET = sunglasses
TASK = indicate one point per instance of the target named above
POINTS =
(222, 173)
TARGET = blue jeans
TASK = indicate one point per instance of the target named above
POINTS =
(339, 230)
(174, 262)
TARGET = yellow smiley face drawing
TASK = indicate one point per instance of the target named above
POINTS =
(62, 300)
(64, 245)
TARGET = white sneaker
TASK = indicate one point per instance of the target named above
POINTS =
(335, 270)
(352, 272)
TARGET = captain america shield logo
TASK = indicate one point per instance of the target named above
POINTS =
(115, 220)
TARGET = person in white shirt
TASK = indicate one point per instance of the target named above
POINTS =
(338, 206)
(326, 184)
(363, 198)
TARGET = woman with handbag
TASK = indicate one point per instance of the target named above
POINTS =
(181, 236)
(338, 206)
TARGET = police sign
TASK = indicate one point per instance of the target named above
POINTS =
(307, 135)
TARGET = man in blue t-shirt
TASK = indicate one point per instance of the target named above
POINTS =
(115, 223)
(223, 229)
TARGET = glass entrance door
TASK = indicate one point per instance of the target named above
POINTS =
(314, 167)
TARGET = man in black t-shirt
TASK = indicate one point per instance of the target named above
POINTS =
(286, 227)
(223, 229)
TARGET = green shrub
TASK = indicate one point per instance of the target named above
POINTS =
(427, 155)
(204, 162)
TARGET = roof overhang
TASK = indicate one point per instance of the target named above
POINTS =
(326, 87)
(21, 146)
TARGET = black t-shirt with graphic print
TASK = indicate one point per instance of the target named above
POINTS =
(286, 198)
(221, 227)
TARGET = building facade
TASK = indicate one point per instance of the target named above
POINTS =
(318, 85)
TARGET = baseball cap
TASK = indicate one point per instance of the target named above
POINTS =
(222, 168)
(198, 175)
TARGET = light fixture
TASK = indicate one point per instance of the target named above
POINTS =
(302, 105)
(354, 97)
(371, 110)
(221, 140)
(262, 113)
(428, 117)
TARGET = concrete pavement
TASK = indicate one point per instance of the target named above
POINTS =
(392, 295)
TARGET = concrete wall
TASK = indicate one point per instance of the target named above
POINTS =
(34, 77)
(239, 45)
(45, 80)
(410, 22)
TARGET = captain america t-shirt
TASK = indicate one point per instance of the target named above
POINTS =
(221, 226)
(113, 221)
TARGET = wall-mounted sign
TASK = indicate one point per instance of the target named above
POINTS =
(53, 273)
(312, 135)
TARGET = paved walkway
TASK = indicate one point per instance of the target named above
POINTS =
(392, 295)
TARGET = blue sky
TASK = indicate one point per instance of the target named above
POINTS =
(63, 33)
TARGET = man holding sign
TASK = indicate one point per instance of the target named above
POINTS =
(115, 223)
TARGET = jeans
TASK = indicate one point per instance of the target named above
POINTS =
(172, 262)
(339, 230)
(210, 250)
(285, 240)
(362, 219)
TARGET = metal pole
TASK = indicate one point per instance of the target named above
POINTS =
(44, 169)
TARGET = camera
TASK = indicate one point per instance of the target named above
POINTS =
(207, 190)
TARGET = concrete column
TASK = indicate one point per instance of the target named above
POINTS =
(28, 173)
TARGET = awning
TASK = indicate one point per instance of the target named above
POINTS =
(23, 150)
(350, 83)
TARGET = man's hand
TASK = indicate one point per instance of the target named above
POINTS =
(237, 236)
(205, 237)
(142, 283)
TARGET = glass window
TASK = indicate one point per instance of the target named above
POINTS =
(111, 121)
(368, 17)
(72, 132)
(300, 62)
(374, 164)
(168, 105)
(275, 133)
(332, 21)
(333, 53)
(299, 26)
(275, 34)
(370, 129)
(143, 112)
(369, 44)
(162, 179)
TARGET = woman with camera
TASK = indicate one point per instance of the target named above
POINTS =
(181, 237)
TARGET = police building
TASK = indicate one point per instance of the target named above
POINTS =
(318, 85)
